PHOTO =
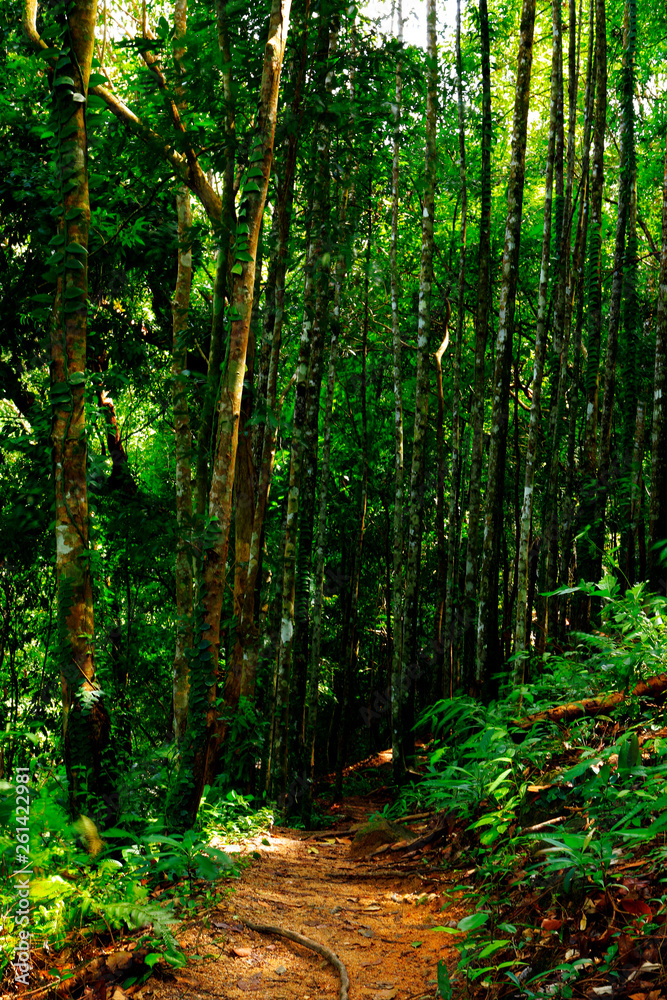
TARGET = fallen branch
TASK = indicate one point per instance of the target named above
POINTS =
(593, 706)
(321, 949)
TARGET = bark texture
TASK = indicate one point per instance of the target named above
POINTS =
(86, 725)
(488, 650)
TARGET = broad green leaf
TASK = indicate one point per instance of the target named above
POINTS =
(472, 922)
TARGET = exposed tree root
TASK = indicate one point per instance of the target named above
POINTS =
(307, 943)
(593, 706)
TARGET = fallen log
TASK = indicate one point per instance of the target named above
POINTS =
(652, 686)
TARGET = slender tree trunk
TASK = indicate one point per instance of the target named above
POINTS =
(224, 226)
(568, 387)
(657, 525)
(182, 434)
(183, 473)
(294, 634)
(247, 629)
(349, 647)
(481, 337)
(575, 298)
(626, 188)
(522, 631)
(410, 668)
(587, 554)
(399, 475)
(86, 724)
(321, 540)
(487, 629)
(454, 518)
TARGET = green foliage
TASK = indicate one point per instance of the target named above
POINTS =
(110, 885)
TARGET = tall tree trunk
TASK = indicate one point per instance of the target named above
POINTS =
(410, 666)
(86, 724)
(454, 518)
(202, 740)
(481, 337)
(247, 630)
(619, 285)
(183, 472)
(321, 540)
(657, 525)
(488, 651)
(182, 435)
(223, 229)
(349, 646)
(399, 475)
(588, 557)
(575, 298)
(522, 630)
(294, 633)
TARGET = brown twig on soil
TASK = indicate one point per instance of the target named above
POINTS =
(321, 949)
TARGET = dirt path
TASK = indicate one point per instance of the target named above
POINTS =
(376, 915)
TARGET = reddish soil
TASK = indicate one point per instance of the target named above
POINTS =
(378, 915)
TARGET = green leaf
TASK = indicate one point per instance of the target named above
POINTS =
(237, 269)
(95, 101)
(77, 378)
(242, 255)
(63, 81)
(73, 213)
(255, 172)
(499, 780)
(96, 78)
(72, 292)
(444, 982)
(76, 248)
(74, 264)
(250, 186)
(152, 959)
(472, 922)
(78, 98)
(492, 947)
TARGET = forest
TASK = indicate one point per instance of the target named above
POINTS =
(333, 428)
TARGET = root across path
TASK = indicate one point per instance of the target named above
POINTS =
(308, 919)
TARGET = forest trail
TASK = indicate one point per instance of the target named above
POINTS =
(376, 914)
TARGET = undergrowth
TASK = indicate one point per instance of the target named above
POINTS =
(564, 826)
(89, 886)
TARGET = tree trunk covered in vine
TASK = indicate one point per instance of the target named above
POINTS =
(86, 724)
(488, 650)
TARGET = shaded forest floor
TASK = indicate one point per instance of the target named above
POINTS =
(580, 915)
(376, 912)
